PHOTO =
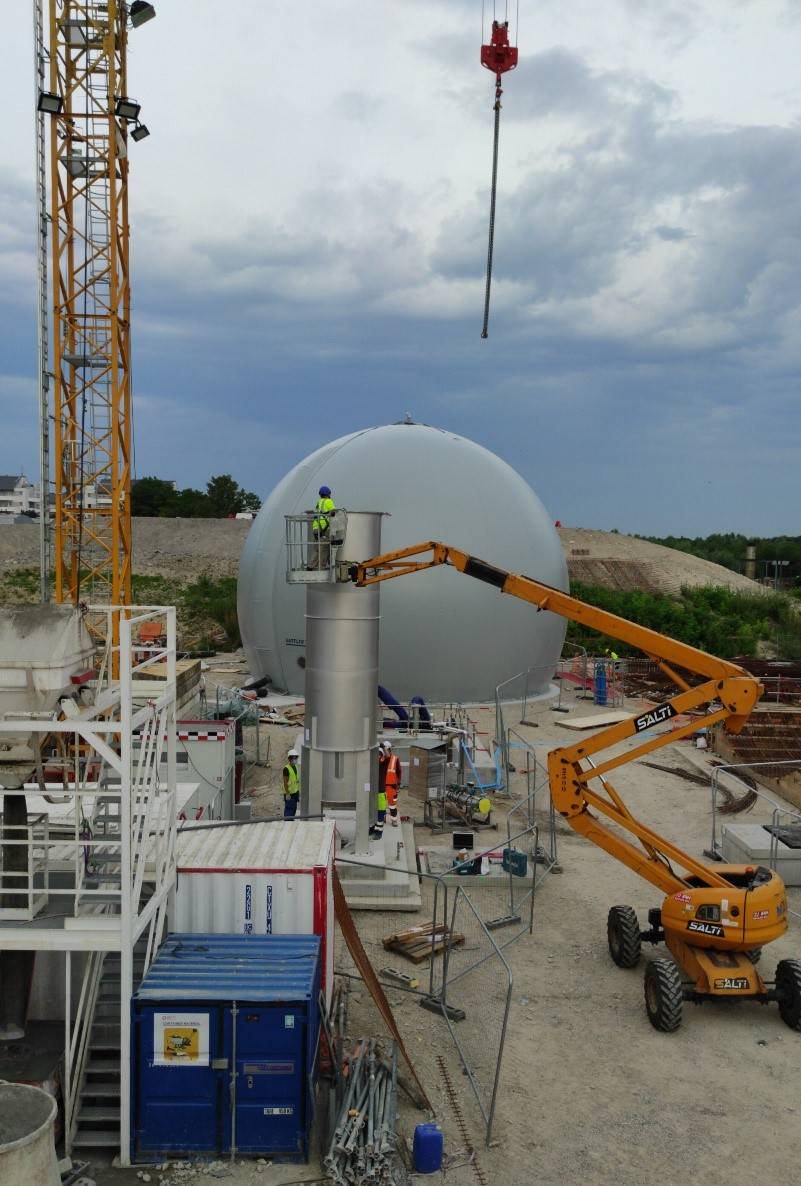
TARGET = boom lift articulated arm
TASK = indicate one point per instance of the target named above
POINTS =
(713, 920)
(728, 690)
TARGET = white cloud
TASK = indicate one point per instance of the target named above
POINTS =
(310, 220)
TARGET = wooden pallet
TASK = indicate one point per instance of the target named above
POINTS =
(420, 942)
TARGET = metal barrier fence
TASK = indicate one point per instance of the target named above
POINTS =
(374, 926)
(781, 689)
(477, 983)
(770, 815)
(512, 700)
(469, 921)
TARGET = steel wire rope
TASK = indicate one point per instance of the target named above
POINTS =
(493, 193)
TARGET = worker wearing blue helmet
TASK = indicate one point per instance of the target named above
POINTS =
(320, 549)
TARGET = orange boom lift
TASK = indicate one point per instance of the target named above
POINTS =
(714, 920)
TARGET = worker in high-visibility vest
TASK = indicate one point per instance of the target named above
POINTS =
(291, 785)
(393, 783)
(381, 798)
(320, 548)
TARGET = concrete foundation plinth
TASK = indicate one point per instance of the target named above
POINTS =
(386, 878)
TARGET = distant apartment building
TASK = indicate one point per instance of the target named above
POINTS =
(21, 499)
(18, 496)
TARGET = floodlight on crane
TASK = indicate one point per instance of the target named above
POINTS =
(49, 104)
(127, 109)
(140, 12)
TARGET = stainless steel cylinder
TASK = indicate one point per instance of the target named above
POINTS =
(340, 759)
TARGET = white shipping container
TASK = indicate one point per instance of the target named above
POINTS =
(259, 878)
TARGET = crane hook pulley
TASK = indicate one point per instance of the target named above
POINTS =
(499, 56)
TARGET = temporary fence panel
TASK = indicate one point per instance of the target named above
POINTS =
(265, 878)
(477, 979)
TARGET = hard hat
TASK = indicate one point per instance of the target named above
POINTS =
(387, 744)
(325, 492)
(293, 753)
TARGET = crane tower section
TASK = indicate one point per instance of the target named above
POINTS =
(91, 301)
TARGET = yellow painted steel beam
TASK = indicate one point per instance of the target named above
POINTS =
(91, 303)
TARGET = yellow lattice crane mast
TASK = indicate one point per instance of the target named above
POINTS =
(91, 371)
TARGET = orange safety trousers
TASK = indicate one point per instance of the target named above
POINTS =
(393, 780)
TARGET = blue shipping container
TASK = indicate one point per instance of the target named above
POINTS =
(224, 1038)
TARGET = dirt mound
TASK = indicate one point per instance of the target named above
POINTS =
(189, 548)
(185, 548)
(616, 561)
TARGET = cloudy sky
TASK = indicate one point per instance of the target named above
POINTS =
(309, 236)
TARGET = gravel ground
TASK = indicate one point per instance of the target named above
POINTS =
(589, 1092)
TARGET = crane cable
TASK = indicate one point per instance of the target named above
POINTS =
(493, 194)
(499, 56)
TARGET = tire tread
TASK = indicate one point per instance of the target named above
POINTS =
(665, 974)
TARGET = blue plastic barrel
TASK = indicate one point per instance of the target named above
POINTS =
(600, 682)
(427, 1148)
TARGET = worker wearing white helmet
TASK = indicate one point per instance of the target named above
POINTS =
(291, 784)
(381, 798)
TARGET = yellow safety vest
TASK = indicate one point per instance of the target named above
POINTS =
(323, 508)
(291, 773)
(381, 802)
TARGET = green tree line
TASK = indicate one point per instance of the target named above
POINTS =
(156, 498)
(719, 620)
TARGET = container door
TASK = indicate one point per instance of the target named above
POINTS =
(180, 1080)
(270, 1085)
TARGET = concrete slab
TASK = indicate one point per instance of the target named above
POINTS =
(749, 844)
(386, 878)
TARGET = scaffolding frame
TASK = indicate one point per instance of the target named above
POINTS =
(137, 842)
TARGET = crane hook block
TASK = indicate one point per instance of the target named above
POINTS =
(499, 56)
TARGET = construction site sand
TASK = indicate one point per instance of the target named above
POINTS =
(194, 547)
(590, 1093)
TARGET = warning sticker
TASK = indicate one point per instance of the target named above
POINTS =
(180, 1040)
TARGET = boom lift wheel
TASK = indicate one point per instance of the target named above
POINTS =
(664, 995)
(623, 934)
(788, 986)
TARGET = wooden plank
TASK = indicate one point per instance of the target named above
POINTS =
(596, 722)
(420, 946)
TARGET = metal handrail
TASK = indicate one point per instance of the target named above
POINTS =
(500, 700)
(766, 795)
(78, 1048)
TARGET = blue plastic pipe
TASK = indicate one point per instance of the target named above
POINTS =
(389, 700)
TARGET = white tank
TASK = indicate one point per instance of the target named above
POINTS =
(443, 636)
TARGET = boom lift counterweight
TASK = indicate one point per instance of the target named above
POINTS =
(713, 920)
